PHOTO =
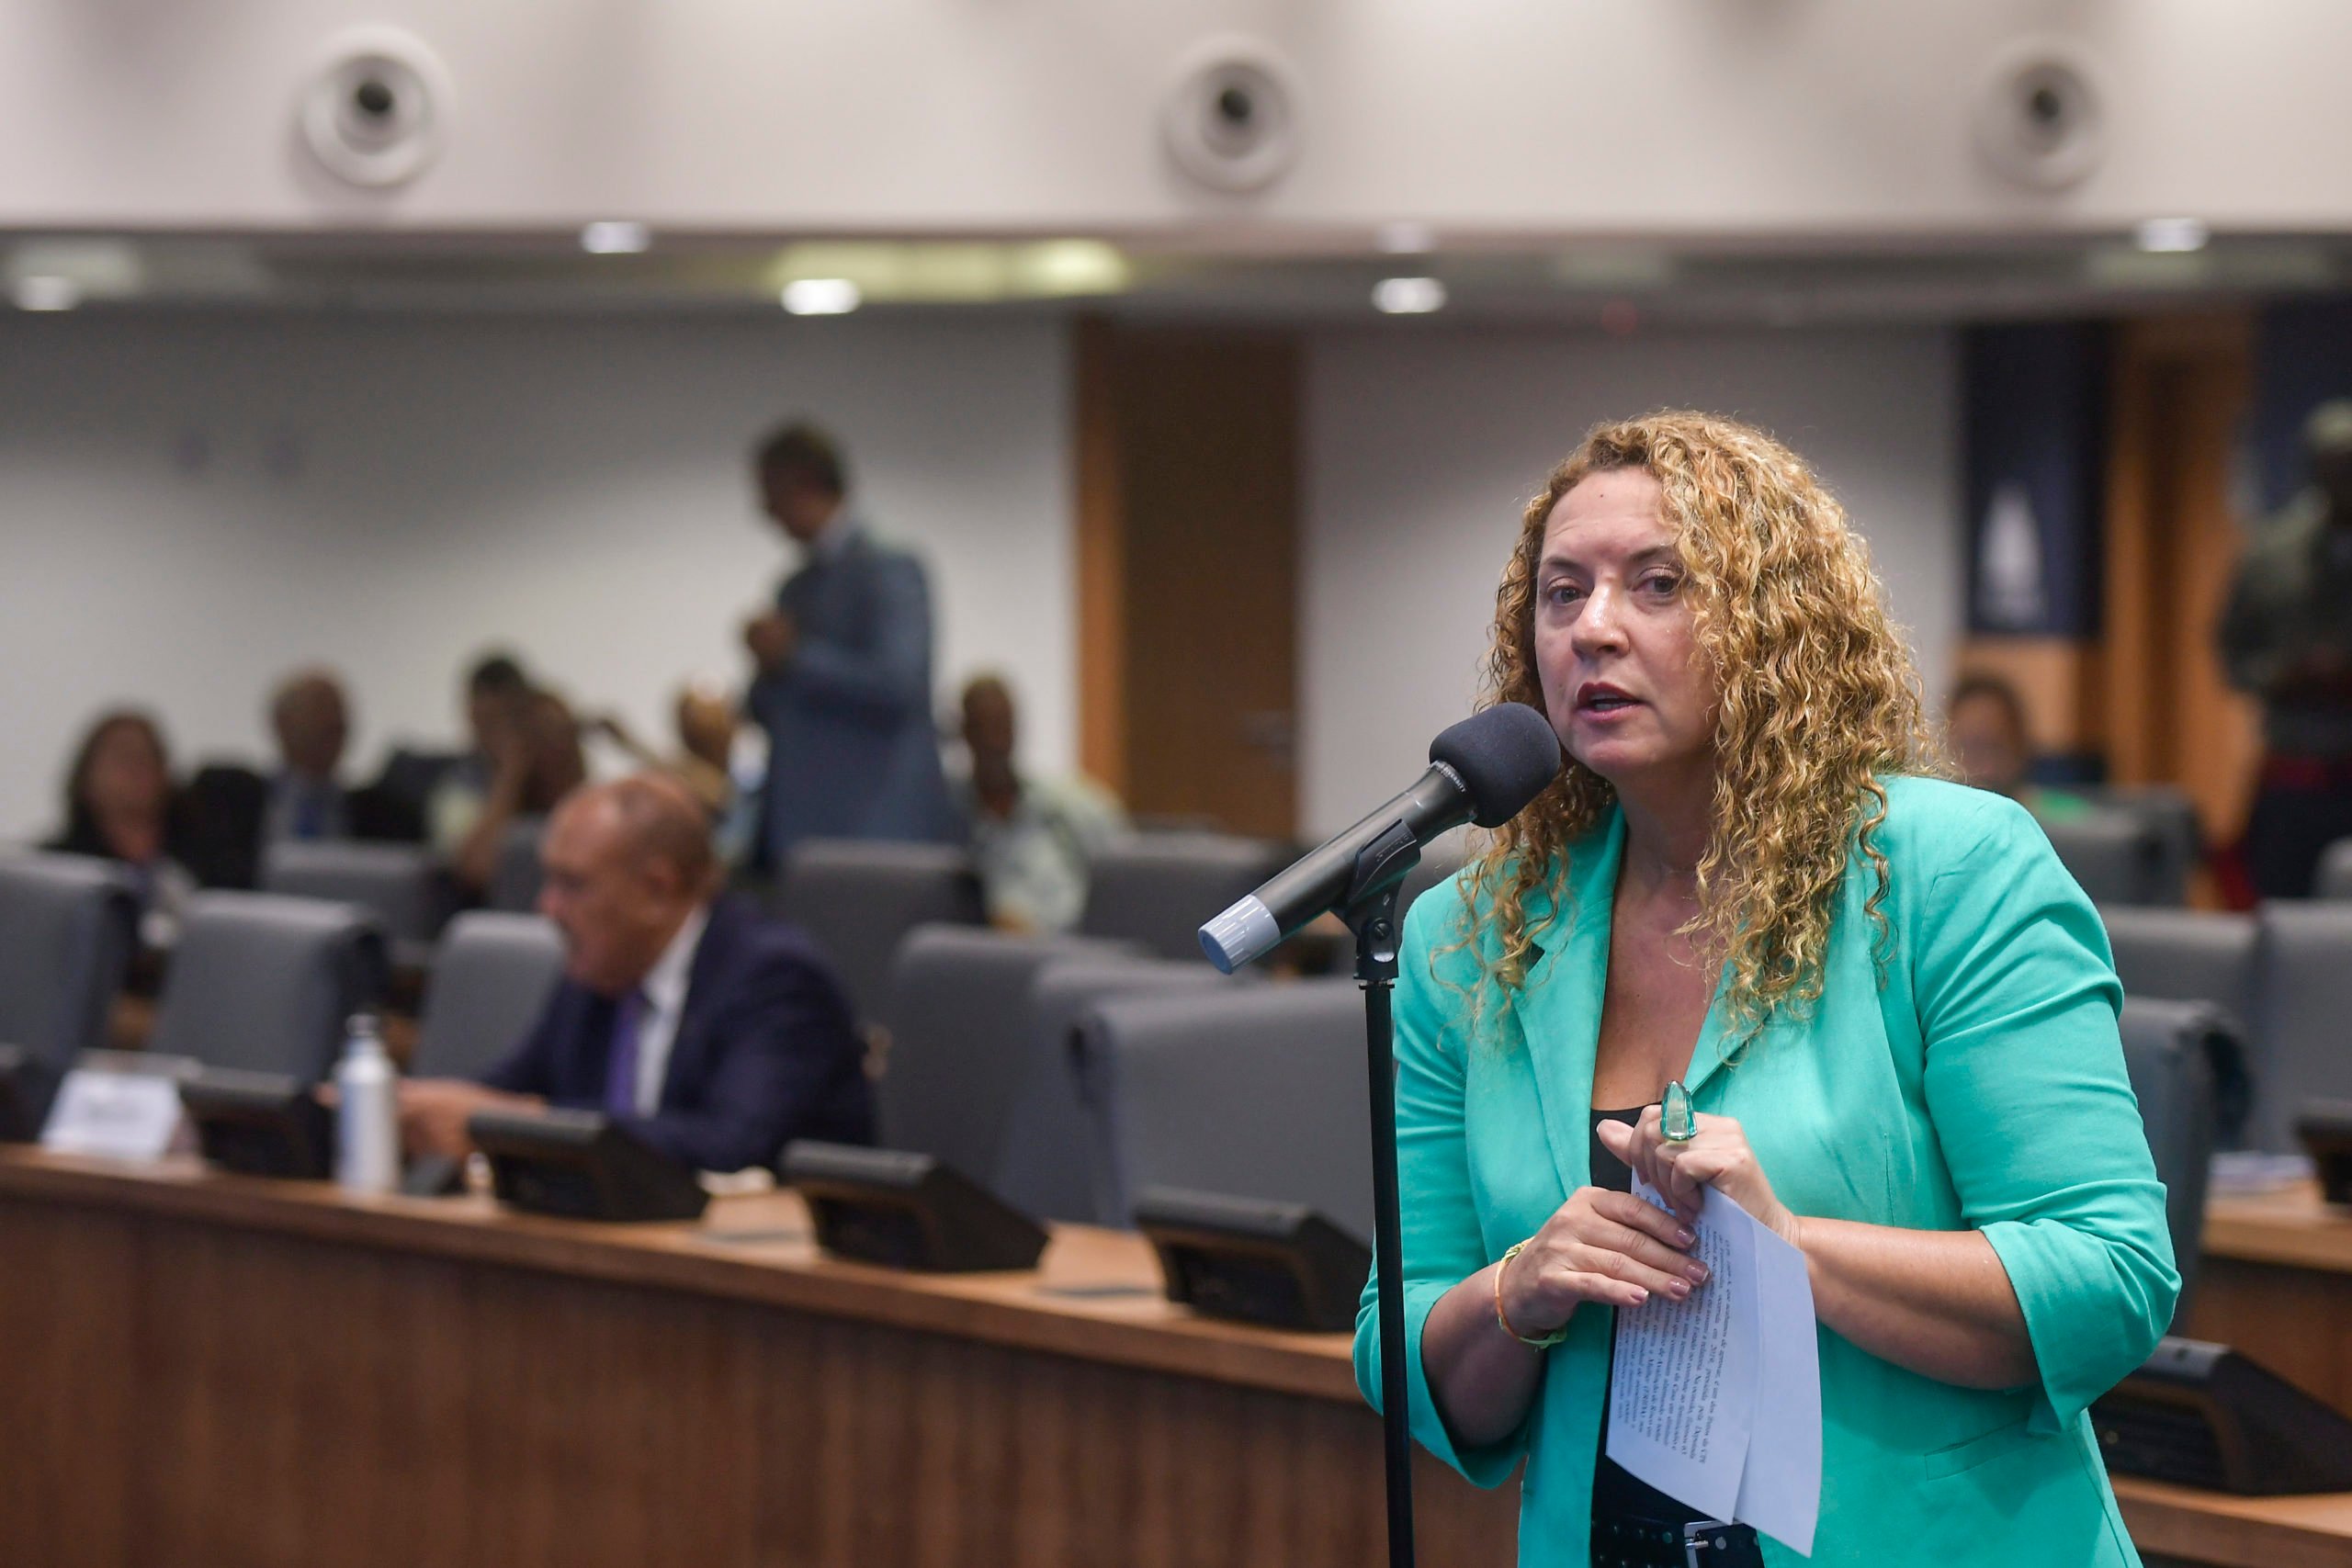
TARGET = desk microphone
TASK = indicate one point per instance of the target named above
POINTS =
(1482, 770)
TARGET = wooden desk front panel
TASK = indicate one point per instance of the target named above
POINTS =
(183, 1393)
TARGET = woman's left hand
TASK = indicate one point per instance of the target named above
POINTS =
(1718, 1157)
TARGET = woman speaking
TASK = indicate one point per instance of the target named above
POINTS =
(1893, 1011)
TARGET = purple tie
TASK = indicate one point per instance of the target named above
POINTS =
(620, 1068)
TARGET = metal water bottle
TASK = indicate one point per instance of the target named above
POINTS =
(368, 1129)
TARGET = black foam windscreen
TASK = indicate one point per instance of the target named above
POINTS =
(1506, 754)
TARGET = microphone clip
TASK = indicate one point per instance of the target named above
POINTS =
(1369, 910)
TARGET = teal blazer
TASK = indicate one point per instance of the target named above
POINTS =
(1980, 1085)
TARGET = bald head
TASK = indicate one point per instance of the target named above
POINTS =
(626, 863)
(311, 722)
(651, 818)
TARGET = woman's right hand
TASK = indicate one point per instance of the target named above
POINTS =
(1600, 1246)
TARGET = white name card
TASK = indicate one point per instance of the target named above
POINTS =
(117, 1108)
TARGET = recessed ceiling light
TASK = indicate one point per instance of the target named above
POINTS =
(614, 237)
(1408, 296)
(2172, 234)
(821, 296)
(1406, 238)
(46, 292)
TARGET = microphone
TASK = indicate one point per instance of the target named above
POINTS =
(1482, 770)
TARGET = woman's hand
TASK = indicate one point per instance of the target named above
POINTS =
(1602, 1246)
(1718, 1157)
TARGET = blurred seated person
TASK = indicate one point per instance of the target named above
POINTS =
(120, 805)
(1032, 839)
(1984, 725)
(704, 761)
(239, 813)
(496, 688)
(2285, 639)
(536, 762)
(707, 1032)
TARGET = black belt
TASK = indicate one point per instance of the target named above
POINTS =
(1629, 1540)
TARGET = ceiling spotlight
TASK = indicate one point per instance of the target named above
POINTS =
(1408, 296)
(42, 291)
(1406, 238)
(2172, 235)
(614, 237)
(822, 297)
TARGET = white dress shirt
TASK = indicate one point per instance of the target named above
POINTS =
(665, 998)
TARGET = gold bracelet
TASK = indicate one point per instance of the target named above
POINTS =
(1546, 1341)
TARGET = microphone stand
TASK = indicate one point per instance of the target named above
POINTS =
(1370, 910)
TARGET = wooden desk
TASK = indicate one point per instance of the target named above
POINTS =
(2277, 1284)
(203, 1370)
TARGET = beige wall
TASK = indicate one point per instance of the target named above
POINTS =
(1761, 116)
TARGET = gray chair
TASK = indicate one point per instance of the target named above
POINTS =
(960, 1037)
(1049, 1161)
(858, 898)
(68, 926)
(2335, 876)
(2191, 955)
(266, 983)
(2185, 955)
(2168, 1049)
(2301, 1025)
(1256, 1091)
(2169, 816)
(2119, 856)
(490, 981)
(1155, 889)
(396, 883)
(514, 880)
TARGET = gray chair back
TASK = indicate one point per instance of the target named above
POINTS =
(2168, 1049)
(1256, 1091)
(68, 925)
(2185, 955)
(2335, 876)
(858, 898)
(1049, 1160)
(266, 983)
(514, 880)
(393, 882)
(490, 981)
(1157, 889)
(2170, 818)
(2302, 1022)
(2119, 856)
(960, 1037)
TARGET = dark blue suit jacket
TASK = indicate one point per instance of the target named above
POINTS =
(766, 1051)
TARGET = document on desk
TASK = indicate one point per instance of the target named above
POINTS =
(1715, 1400)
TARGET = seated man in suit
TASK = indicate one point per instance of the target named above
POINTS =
(238, 813)
(707, 1031)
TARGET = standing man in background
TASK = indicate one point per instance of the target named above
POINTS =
(842, 668)
(2287, 637)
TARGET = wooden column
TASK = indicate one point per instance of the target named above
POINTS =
(2179, 388)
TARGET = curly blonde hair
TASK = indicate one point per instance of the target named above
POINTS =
(1816, 697)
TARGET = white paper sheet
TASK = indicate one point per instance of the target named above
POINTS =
(1715, 1400)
